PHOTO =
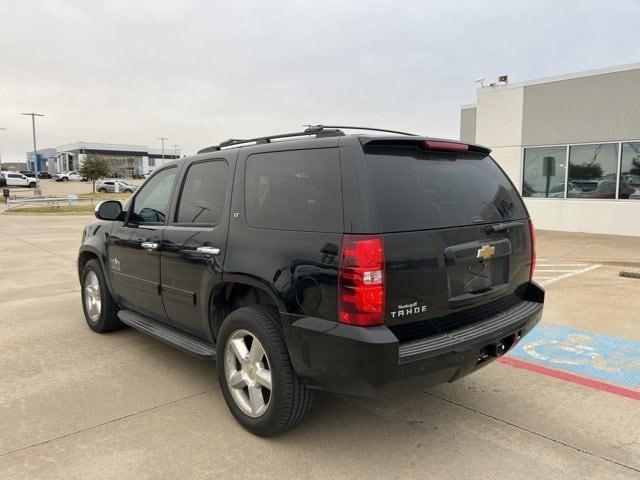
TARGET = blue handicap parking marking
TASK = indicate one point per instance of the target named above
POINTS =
(588, 354)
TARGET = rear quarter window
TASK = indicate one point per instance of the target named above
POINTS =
(294, 190)
(418, 189)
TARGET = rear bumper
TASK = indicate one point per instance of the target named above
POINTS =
(357, 360)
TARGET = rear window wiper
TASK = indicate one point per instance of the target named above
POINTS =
(501, 227)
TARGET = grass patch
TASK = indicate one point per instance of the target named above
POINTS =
(58, 209)
(123, 197)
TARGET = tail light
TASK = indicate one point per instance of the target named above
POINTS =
(361, 281)
(450, 146)
(532, 234)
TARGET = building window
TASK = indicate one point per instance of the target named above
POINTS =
(630, 171)
(152, 162)
(593, 171)
(544, 172)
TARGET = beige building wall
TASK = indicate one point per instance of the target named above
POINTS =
(613, 217)
(597, 108)
(499, 117)
(499, 126)
(468, 124)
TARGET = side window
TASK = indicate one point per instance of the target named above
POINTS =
(203, 193)
(294, 190)
(152, 203)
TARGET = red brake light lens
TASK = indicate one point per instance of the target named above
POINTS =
(361, 281)
(532, 233)
(450, 146)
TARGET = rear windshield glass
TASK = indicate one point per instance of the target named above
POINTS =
(417, 189)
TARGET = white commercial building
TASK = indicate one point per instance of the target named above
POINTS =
(125, 160)
(570, 143)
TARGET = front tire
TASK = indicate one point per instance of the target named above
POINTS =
(33, 185)
(102, 190)
(100, 310)
(65, 179)
(259, 384)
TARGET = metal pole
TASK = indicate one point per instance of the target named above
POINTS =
(175, 150)
(162, 139)
(33, 126)
(4, 130)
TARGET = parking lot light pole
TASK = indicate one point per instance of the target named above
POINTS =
(4, 130)
(162, 139)
(33, 127)
(176, 151)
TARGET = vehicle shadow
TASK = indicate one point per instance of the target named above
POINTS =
(406, 431)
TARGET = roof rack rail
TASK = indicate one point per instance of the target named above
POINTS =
(267, 139)
(317, 130)
(320, 128)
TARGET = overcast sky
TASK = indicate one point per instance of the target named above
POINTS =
(202, 71)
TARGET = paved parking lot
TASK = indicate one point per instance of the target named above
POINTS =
(76, 404)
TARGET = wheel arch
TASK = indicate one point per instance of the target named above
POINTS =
(238, 292)
(90, 252)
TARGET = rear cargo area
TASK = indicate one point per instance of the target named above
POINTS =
(456, 237)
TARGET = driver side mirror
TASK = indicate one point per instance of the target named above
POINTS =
(109, 210)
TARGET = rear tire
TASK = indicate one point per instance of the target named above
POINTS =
(288, 400)
(100, 310)
(65, 179)
(102, 190)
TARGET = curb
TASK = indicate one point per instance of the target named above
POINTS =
(626, 274)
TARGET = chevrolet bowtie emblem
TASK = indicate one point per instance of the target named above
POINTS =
(485, 252)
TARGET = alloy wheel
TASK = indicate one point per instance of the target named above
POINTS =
(248, 373)
(92, 298)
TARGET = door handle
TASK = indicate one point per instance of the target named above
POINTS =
(208, 250)
(149, 245)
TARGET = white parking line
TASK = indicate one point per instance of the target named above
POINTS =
(556, 271)
(561, 264)
(570, 273)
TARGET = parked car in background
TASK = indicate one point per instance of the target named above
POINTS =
(45, 175)
(140, 176)
(557, 191)
(28, 173)
(607, 189)
(17, 179)
(66, 176)
(104, 186)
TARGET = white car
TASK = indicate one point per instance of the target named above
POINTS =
(66, 176)
(16, 179)
(108, 185)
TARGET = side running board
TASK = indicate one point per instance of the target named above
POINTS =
(165, 333)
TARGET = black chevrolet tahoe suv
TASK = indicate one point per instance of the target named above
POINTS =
(319, 260)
